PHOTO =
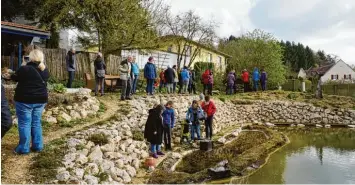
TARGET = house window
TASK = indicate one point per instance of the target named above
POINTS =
(335, 77)
(347, 77)
(209, 57)
(220, 61)
(170, 48)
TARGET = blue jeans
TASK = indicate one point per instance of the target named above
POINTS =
(150, 86)
(29, 126)
(195, 128)
(230, 89)
(134, 84)
(256, 85)
(154, 148)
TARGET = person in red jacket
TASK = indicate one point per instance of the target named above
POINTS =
(210, 109)
(207, 80)
(245, 78)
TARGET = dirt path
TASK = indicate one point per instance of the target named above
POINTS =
(15, 168)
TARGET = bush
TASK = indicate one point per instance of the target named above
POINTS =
(58, 88)
(138, 135)
(98, 139)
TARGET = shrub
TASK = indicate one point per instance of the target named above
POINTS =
(292, 96)
(58, 88)
(138, 135)
(98, 139)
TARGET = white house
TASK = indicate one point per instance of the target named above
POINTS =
(339, 71)
(302, 73)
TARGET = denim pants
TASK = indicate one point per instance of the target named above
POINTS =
(134, 84)
(29, 126)
(169, 87)
(230, 89)
(99, 82)
(154, 148)
(195, 128)
(71, 78)
(263, 85)
(161, 85)
(185, 86)
(150, 86)
(255, 84)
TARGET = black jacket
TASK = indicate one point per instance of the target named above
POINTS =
(31, 88)
(154, 124)
(6, 121)
(99, 64)
(169, 75)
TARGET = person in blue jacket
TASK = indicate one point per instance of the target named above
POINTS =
(168, 124)
(193, 117)
(135, 75)
(256, 78)
(150, 73)
(185, 76)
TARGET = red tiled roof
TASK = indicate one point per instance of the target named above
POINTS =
(23, 26)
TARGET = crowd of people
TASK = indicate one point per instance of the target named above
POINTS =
(31, 97)
(161, 121)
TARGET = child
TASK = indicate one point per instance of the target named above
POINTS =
(193, 116)
(154, 130)
(210, 109)
(168, 123)
(185, 132)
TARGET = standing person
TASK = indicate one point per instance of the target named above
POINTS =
(185, 79)
(180, 82)
(150, 73)
(204, 80)
(169, 77)
(193, 116)
(70, 60)
(245, 78)
(135, 75)
(235, 82)
(210, 83)
(230, 82)
(153, 131)
(100, 71)
(263, 79)
(256, 78)
(176, 79)
(210, 109)
(6, 120)
(168, 122)
(192, 82)
(125, 71)
(30, 98)
(162, 80)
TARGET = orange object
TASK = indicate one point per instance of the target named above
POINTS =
(150, 161)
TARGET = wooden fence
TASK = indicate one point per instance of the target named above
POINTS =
(56, 63)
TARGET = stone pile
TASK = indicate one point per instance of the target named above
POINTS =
(88, 106)
(117, 160)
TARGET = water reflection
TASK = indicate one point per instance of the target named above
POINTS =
(323, 156)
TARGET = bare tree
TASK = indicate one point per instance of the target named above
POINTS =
(189, 32)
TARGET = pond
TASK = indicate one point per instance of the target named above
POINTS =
(314, 156)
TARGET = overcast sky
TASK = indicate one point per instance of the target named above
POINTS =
(328, 25)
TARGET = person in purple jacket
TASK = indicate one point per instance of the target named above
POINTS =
(230, 82)
(263, 79)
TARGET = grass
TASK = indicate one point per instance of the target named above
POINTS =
(44, 167)
(102, 107)
(248, 148)
(328, 101)
(98, 139)
(102, 176)
(138, 135)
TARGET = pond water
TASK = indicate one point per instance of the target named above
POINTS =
(314, 156)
